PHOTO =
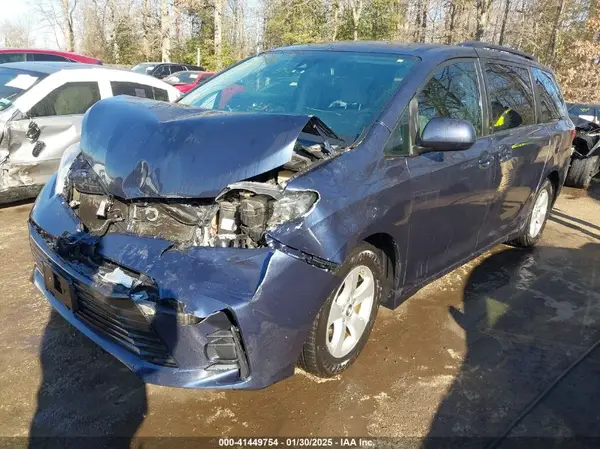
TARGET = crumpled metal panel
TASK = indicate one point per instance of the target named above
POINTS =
(273, 296)
(150, 149)
(26, 163)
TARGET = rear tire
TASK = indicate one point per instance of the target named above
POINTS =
(581, 172)
(342, 326)
(537, 218)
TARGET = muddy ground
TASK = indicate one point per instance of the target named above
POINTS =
(463, 357)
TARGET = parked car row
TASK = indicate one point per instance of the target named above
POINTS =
(262, 219)
(183, 76)
(187, 80)
(163, 69)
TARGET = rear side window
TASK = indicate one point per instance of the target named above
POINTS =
(11, 57)
(160, 94)
(138, 90)
(583, 111)
(552, 106)
(511, 96)
(452, 92)
(45, 57)
(162, 70)
(68, 99)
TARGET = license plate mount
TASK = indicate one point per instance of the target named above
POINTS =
(60, 287)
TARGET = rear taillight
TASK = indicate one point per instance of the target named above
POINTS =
(572, 132)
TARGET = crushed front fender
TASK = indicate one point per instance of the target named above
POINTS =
(271, 297)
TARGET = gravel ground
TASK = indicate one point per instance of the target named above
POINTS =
(462, 357)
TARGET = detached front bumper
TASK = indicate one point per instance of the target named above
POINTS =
(253, 306)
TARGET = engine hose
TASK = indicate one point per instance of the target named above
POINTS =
(495, 443)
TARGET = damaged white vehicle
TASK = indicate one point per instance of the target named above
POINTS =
(41, 109)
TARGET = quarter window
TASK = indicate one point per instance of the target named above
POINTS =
(552, 106)
(452, 92)
(511, 97)
(138, 90)
(399, 140)
(161, 71)
(68, 99)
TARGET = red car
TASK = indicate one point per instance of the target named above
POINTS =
(188, 79)
(30, 54)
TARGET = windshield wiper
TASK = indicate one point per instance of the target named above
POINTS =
(320, 127)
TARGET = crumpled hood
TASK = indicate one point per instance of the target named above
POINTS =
(150, 149)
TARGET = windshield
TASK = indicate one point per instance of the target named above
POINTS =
(14, 82)
(183, 77)
(144, 68)
(346, 90)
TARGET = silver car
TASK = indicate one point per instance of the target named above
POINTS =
(41, 109)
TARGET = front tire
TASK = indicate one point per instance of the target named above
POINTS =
(343, 325)
(537, 218)
(581, 172)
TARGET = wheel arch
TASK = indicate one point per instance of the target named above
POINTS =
(390, 251)
(554, 178)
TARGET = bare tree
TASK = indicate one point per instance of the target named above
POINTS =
(450, 20)
(218, 32)
(59, 15)
(50, 15)
(504, 19)
(423, 13)
(165, 27)
(15, 34)
(68, 10)
(481, 22)
(356, 6)
(146, 16)
(335, 18)
(113, 14)
(551, 51)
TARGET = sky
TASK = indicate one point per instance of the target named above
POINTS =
(23, 11)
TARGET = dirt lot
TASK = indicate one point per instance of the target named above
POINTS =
(462, 357)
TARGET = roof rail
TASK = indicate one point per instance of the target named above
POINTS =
(485, 45)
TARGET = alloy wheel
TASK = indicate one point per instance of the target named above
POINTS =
(350, 311)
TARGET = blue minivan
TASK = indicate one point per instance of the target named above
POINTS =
(260, 222)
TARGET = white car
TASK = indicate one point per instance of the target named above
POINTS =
(41, 109)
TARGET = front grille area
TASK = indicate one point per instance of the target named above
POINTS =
(115, 317)
(121, 320)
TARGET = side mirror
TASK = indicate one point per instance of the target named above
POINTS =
(448, 134)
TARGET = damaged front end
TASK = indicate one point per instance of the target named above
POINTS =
(586, 142)
(239, 217)
(165, 253)
(218, 180)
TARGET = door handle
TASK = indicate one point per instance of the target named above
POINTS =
(485, 160)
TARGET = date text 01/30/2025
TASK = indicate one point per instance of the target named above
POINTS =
(297, 442)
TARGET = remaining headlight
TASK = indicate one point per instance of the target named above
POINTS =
(292, 205)
(64, 166)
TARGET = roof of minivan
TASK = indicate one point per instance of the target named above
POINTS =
(48, 67)
(436, 51)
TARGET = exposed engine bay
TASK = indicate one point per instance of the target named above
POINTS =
(587, 137)
(238, 217)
